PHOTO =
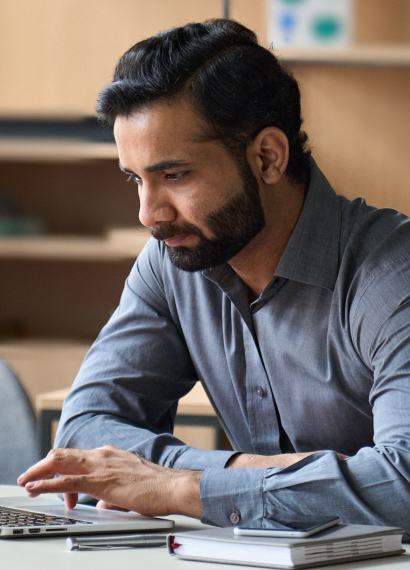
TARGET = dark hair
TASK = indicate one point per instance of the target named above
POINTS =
(236, 85)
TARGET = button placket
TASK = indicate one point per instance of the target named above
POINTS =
(263, 427)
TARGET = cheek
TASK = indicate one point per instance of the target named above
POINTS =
(194, 211)
(194, 204)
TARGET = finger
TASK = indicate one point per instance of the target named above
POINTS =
(42, 468)
(70, 500)
(109, 506)
(63, 484)
(57, 462)
(20, 480)
(32, 494)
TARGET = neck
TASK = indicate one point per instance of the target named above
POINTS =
(257, 262)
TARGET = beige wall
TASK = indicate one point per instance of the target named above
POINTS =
(56, 55)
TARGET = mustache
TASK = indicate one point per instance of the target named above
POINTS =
(169, 231)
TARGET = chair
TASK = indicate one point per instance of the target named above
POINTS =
(18, 442)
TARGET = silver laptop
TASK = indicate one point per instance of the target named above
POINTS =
(23, 517)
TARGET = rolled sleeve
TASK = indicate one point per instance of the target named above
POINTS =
(232, 496)
(249, 494)
(359, 490)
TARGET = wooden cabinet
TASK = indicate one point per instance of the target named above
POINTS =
(358, 118)
(56, 55)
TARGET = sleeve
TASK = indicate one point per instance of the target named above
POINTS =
(372, 487)
(127, 390)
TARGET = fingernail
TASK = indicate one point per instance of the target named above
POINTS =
(19, 479)
(30, 486)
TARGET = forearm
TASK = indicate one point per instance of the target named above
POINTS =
(248, 461)
(90, 431)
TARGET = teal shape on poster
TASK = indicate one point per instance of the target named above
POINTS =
(326, 28)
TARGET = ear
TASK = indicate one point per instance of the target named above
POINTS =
(268, 155)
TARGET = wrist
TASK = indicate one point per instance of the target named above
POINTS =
(184, 494)
(248, 461)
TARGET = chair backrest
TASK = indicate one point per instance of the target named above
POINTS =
(18, 442)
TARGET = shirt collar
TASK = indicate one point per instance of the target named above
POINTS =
(312, 253)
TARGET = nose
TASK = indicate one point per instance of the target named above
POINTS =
(155, 206)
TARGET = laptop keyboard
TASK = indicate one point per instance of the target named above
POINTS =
(15, 518)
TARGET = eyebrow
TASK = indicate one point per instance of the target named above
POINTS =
(125, 169)
(158, 166)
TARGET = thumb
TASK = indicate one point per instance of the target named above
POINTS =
(70, 500)
(110, 507)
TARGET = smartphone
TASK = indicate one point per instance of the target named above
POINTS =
(294, 530)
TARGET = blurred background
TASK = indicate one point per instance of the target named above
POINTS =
(69, 230)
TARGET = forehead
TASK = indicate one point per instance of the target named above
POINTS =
(158, 130)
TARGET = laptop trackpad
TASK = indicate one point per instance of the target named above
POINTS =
(90, 514)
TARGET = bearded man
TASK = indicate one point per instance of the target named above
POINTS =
(290, 304)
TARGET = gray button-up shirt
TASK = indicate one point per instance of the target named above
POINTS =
(324, 351)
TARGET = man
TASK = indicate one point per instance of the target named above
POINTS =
(290, 304)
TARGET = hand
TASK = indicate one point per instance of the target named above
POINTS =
(247, 461)
(118, 479)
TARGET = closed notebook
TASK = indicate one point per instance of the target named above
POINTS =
(341, 543)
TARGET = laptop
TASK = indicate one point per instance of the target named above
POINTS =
(24, 517)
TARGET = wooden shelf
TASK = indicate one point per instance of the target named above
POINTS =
(59, 149)
(70, 248)
(373, 56)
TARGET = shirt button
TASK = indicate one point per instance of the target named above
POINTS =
(260, 391)
(235, 516)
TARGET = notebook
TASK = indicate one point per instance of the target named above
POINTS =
(24, 517)
(341, 543)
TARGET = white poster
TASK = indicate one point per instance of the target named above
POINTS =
(310, 23)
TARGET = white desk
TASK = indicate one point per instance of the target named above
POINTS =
(50, 554)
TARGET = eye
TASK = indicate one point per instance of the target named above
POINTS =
(175, 176)
(134, 178)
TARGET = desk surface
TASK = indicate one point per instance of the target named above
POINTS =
(51, 554)
(195, 403)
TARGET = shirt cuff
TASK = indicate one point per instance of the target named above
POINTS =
(232, 497)
(201, 459)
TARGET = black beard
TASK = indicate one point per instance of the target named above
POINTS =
(234, 226)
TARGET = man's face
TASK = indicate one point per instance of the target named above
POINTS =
(194, 195)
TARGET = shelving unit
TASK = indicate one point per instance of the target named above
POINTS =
(362, 55)
(54, 150)
(59, 289)
(70, 248)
